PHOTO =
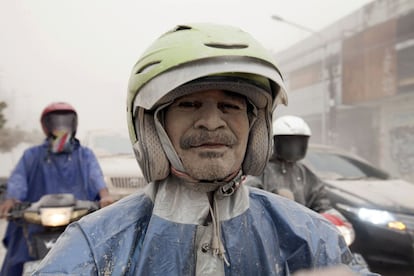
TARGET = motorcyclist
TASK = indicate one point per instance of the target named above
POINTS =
(285, 172)
(58, 165)
(287, 176)
(199, 111)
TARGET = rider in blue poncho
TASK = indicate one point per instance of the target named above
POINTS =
(59, 165)
(199, 111)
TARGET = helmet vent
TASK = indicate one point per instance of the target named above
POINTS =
(226, 46)
(147, 67)
(182, 28)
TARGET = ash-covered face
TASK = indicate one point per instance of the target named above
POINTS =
(209, 131)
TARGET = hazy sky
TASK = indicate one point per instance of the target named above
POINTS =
(82, 51)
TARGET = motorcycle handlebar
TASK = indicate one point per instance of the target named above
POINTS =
(17, 211)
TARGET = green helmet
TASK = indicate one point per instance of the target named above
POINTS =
(197, 57)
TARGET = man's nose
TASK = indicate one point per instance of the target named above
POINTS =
(209, 117)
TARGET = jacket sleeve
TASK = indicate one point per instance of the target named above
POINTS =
(17, 184)
(95, 176)
(316, 196)
(61, 259)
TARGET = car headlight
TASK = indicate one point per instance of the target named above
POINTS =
(381, 218)
(55, 216)
(377, 217)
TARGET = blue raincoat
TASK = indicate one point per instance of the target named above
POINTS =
(164, 231)
(38, 173)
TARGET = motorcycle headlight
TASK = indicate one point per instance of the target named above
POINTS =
(58, 216)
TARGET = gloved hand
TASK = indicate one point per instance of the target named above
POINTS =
(105, 201)
(6, 206)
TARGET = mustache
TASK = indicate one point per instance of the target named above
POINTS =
(203, 137)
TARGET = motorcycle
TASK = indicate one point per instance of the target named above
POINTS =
(343, 226)
(54, 212)
(347, 231)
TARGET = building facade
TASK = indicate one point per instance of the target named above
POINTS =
(353, 82)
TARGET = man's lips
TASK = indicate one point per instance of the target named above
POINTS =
(207, 140)
(210, 145)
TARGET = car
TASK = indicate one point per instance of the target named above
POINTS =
(379, 207)
(113, 150)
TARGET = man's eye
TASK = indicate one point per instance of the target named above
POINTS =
(229, 106)
(188, 104)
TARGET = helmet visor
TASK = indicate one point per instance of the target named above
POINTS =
(291, 148)
(60, 121)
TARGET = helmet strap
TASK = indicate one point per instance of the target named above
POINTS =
(166, 143)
